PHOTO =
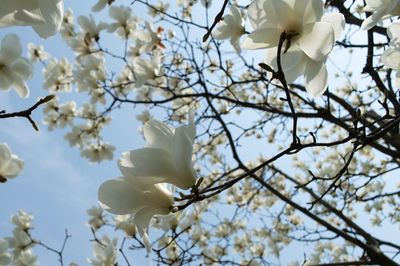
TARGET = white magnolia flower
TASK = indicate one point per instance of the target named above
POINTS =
(146, 70)
(96, 217)
(22, 220)
(45, 16)
(311, 36)
(14, 69)
(10, 164)
(137, 197)
(98, 152)
(90, 27)
(5, 257)
(167, 156)
(37, 53)
(144, 117)
(105, 253)
(391, 56)
(231, 27)
(125, 22)
(381, 9)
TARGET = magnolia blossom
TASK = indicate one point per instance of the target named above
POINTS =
(231, 27)
(45, 16)
(10, 164)
(14, 69)
(391, 56)
(310, 38)
(167, 156)
(146, 70)
(129, 195)
(381, 9)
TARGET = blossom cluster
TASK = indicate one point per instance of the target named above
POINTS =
(17, 249)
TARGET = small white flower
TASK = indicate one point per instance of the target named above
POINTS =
(37, 53)
(144, 117)
(14, 69)
(231, 27)
(90, 27)
(45, 16)
(96, 218)
(146, 70)
(10, 164)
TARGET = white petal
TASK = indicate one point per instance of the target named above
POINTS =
(26, 17)
(284, 12)
(394, 33)
(261, 15)
(11, 48)
(391, 58)
(52, 12)
(152, 162)
(147, 243)
(221, 31)
(183, 150)
(397, 80)
(143, 217)
(21, 88)
(372, 20)
(337, 21)
(317, 40)
(262, 38)
(309, 11)
(120, 196)
(12, 168)
(5, 82)
(23, 68)
(316, 78)
(158, 135)
(5, 154)
(288, 60)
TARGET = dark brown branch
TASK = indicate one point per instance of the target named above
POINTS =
(27, 113)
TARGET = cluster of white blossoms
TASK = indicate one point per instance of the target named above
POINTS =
(10, 164)
(17, 249)
(141, 191)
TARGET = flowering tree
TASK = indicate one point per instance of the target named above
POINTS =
(277, 126)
